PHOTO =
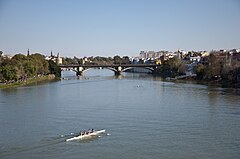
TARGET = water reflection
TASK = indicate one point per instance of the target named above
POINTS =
(185, 117)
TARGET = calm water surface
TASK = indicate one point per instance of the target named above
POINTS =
(144, 117)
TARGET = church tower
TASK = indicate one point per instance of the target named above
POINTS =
(51, 54)
(59, 59)
(28, 52)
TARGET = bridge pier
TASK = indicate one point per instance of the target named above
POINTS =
(79, 71)
(118, 71)
(154, 72)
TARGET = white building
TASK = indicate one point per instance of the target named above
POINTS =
(195, 59)
(57, 59)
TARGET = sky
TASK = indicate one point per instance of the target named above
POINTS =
(117, 27)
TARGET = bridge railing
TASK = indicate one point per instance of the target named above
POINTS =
(113, 65)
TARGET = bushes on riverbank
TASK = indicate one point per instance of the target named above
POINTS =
(171, 68)
(29, 81)
(225, 72)
(221, 71)
(21, 68)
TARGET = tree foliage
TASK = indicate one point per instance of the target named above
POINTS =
(54, 68)
(8, 73)
(118, 60)
(21, 67)
(201, 71)
(98, 60)
(218, 69)
(171, 68)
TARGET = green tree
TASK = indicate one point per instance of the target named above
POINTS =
(40, 64)
(18, 61)
(171, 68)
(213, 67)
(19, 57)
(29, 68)
(126, 60)
(54, 69)
(117, 59)
(174, 63)
(68, 61)
(8, 73)
(200, 70)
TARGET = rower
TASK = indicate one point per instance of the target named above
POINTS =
(93, 130)
(89, 131)
(81, 133)
(85, 133)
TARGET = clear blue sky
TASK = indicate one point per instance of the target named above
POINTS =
(124, 27)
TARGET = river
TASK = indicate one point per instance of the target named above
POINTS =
(144, 118)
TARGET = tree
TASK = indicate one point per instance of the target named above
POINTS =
(8, 73)
(18, 61)
(54, 69)
(29, 68)
(214, 67)
(117, 59)
(19, 57)
(21, 66)
(1, 57)
(126, 60)
(39, 63)
(171, 68)
(174, 63)
(68, 61)
(200, 70)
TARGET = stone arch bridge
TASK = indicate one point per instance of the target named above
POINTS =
(116, 68)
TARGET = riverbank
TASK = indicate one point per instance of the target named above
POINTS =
(29, 81)
(217, 83)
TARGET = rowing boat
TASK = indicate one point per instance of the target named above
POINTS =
(87, 135)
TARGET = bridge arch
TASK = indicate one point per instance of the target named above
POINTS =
(116, 68)
(147, 68)
(86, 69)
(69, 69)
(109, 68)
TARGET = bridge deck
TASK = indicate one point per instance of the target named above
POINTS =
(114, 65)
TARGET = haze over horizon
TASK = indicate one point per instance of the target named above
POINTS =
(107, 28)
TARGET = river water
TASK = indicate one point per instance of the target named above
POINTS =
(144, 117)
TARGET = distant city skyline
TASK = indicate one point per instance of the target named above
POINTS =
(107, 28)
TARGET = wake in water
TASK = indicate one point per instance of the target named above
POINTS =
(44, 143)
(85, 81)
